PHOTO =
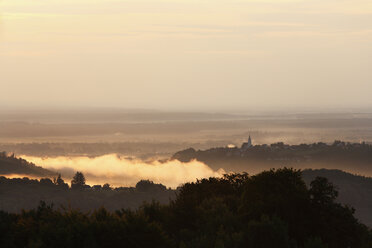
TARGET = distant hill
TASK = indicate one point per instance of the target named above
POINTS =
(12, 165)
(356, 157)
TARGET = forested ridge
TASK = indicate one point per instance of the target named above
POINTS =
(338, 155)
(10, 164)
(274, 208)
(24, 193)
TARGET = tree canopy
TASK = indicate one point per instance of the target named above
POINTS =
(78, 181)
(274, 208)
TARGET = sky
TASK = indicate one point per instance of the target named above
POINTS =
(186, 54)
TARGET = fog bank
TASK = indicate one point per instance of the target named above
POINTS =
(119, 171)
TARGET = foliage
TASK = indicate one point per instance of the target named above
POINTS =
(60, 182)
(78, 181)
(322, 191)
(148, 186)
(272, 209)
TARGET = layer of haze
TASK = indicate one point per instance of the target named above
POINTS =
(123, 172)
(186, 54)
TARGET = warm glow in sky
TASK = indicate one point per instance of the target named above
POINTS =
(186, 54)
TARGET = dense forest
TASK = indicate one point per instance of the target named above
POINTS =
(24, 193)
(271, 209)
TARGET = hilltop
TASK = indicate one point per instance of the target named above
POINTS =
(356, 157)
(9, 164)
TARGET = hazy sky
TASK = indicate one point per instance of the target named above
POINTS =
(186, 54)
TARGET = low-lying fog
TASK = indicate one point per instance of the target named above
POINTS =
(119, 171)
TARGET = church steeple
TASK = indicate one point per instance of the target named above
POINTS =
(247, 145)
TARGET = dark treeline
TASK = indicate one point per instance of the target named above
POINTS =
(338, 155)
(24, 193)
(271, 209)
(9, 164)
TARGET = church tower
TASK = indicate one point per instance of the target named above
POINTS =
(247, 145)
(249, 141)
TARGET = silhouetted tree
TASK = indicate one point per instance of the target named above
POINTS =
(78, 181)
(46, 181)
(106, 186)
(60, 182)
(147, 185)
(322, 191)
